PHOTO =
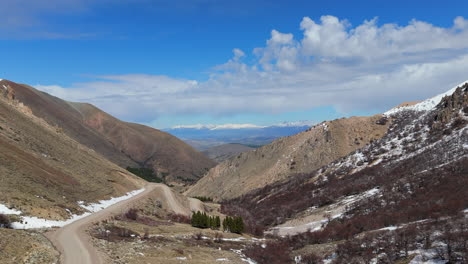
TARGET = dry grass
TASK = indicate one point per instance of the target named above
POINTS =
(18, 246)
(165, 243)
(44, 171)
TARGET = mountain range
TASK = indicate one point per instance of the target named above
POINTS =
(388, 188)
(203, 137)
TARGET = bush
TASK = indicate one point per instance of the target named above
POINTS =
(458, 123)
(198, 236)
(5, 221)
(132, 214)
(218, 237)
(270, 253)
(311, 259)
(179, 218)
(115, 233)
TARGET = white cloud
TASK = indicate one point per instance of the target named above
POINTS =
(366, 67)
(238, 54)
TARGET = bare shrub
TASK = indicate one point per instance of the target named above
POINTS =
(311, 259)
(276, 252)
(179, 218)
(5, 221)
(132, 214)
(198, 236)
(218, 237)
(458, 123)
(115, 233)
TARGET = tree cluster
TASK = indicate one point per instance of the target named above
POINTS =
(202, 220)
(146, 174)
(233, 224)
(204, 198)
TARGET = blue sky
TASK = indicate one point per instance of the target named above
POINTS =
(167, 63)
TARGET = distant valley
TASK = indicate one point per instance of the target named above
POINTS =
(203, 137)
(388, 187)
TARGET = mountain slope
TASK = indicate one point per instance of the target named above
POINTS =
(223, 152)
(45, 173)
(125, 144)
(284, 157)
(416, 172)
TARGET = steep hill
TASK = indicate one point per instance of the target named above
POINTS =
(223, 152)
(284, 157)
(399, 198)
(44, 172)
(125, 144)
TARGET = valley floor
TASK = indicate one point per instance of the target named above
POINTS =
(152, 236)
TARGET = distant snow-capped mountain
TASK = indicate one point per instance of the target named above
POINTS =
(205, 136)
(215, 127)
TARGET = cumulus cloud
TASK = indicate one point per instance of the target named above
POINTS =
(363, 67)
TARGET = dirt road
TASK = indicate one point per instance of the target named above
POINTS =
(76, 246)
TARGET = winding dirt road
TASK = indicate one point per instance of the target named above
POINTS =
(75, 245)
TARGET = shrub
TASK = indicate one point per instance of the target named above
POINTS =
(5, 221)
(458, 123)
(198, 236)
(115, 233)
(179, 218)
(269, 253)
(218, 237)
(132, 214)
(311, 259)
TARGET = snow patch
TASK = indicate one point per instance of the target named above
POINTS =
(95, 207)
(429, 256)
(243, 257)
(8, 211)
(31, 222)
(425, 105)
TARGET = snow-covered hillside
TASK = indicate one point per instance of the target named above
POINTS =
(419, 168)
(425, 105)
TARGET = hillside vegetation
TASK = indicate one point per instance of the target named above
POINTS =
(406, 196)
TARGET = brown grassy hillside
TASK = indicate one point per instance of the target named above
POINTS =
(223, 152)
(125, 144)
(284, 157)
(43, 171)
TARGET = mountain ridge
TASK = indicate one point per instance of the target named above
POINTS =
(126, 144)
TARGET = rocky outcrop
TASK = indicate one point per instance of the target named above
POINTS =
(451, 106)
